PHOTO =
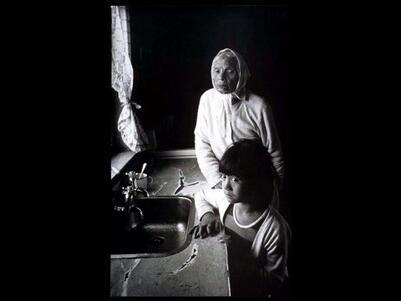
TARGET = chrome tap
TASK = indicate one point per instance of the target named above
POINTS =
(122, 207)
(127, 192)
(134, 213)
(133, 177)
(131, 193)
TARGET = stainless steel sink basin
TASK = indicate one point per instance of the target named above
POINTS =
(163, 231)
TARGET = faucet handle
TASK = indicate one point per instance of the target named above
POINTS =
(131, 176)
(127, 191)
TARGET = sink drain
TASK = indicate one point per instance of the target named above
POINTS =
(157, 240)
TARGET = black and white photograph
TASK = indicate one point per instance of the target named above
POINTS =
(201, 151)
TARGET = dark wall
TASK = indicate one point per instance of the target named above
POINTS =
(173, 48)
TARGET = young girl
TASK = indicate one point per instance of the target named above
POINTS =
(259, 235)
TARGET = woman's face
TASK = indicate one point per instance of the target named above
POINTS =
(224, 75)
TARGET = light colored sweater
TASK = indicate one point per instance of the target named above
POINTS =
(222, 121)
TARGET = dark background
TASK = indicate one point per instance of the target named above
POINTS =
(172, 51)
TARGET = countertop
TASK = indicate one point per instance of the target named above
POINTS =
(198, 270)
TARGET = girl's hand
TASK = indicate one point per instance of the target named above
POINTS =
(209, 226)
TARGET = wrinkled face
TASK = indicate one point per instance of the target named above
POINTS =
(235, 189)
(224, 75)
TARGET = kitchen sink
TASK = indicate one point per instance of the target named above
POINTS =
(163, 231)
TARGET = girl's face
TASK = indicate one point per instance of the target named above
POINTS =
(224, 75)
(235, 189)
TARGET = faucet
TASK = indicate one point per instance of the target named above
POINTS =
(133, 177)
(131, 193)
(134, 215)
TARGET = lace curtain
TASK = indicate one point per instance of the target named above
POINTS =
(122, 79)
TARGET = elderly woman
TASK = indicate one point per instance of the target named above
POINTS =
(230, 112)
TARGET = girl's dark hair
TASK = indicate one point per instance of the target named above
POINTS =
(247, 160)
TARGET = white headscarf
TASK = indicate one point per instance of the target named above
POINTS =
(242, 70)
